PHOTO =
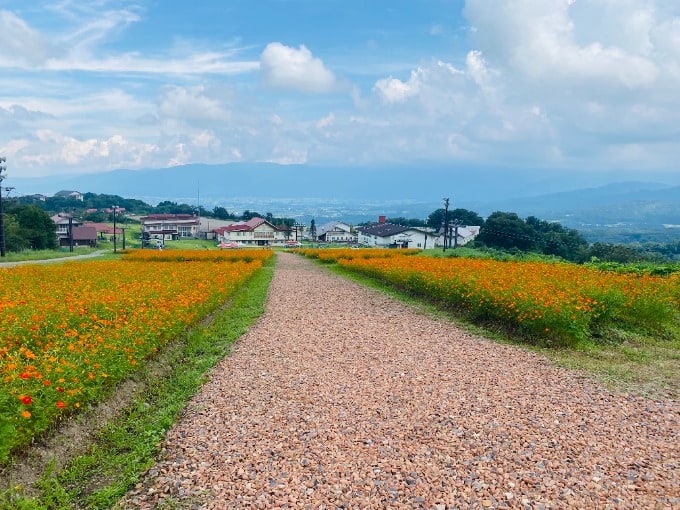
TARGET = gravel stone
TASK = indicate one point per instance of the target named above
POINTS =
(340, 397)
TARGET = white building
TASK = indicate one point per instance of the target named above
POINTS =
(75, 195)
(170, 226)
(254, 232)
(388, 235)
(462, 234)
(335, 232)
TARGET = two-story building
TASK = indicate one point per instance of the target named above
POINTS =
(64, 222)
(75, 195)
(254, 232)
(165, 227)
(336, 232)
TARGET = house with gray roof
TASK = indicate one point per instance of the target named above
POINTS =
(336, 232)
(389, 235)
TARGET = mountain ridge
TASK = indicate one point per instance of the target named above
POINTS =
(362, 192)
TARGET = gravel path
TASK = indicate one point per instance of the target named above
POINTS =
(341, 397)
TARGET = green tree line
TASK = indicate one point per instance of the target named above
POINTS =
(27, 227)
(507, 232)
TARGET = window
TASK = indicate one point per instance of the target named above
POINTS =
(264, 235)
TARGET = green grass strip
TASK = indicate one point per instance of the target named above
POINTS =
(129, 445)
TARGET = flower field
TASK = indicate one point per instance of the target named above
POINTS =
(335, 254)
(70, 331)
(558, 303)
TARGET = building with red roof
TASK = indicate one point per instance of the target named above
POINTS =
(254, 232)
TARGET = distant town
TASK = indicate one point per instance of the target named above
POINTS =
(74, 219)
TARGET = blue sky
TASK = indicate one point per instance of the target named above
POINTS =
(91, 86)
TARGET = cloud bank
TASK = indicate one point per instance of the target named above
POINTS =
(540, 83)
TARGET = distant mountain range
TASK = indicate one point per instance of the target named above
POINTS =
(635, 203)
(576, 199)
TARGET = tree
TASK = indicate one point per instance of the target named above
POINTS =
(168, 207)
(221, 213)
(407, 222)
(30, 227)
(466, 217)
(14, 241)
(249, 215)
(436, 219)
(99, 216)
(505, 230)
(312, 230)
(615, 253)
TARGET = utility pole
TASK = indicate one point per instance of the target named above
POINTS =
(454, 232)
(114, 227)
(446, 220)
(298, 226)
(70, 232)
(2, 212)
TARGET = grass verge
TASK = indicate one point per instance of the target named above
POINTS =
(632, 363)
(129, 443)
(46, 254)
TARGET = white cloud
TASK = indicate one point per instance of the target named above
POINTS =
(78, 47)
(393, 90)
(295, 69)
(95, 28)
(47, 148)
(13, 147)
(436, 90)
(286, 155)
(20, 44)
(326, 121)
(565, 41)
(191, 104)
(547, 83)
(436, 30)
(198, 63)
(205, 140)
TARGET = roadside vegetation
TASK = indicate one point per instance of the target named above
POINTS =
(20, 256)
(620, 323)
(73, 342)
